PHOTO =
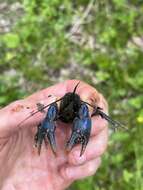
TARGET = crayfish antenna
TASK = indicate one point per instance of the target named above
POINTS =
(115, 124)
(37, 111)
(75, 87)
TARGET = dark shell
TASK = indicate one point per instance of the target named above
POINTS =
(69, 107)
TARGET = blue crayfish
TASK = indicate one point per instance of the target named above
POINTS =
(70, 110)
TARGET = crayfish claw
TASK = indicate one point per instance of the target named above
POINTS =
(52, 141)
(83, 147)
(39, 137)
(77, 138)
(81, 129)
(39, 148)
(72, 141)
(46, 130)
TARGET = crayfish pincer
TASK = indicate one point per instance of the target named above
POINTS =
(46, 129)
(69, 109)
(81, 129)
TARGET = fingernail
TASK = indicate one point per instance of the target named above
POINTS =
(79, 159)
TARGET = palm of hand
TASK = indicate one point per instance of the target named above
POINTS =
(29, 170)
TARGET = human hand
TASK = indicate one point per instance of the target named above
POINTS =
(22, 168)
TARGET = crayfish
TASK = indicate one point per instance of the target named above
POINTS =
(71, 109)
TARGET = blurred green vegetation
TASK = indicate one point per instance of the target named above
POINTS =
(102, 41)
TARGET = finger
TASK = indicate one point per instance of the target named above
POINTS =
(83, 89)
(57, 90)
(91, 95)
(12, 115)
(80, 172)
(16, 112)
(95, 148)
(20, 113)
(98, 124)
(87, 93)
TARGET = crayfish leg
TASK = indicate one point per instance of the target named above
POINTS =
(115, 124)
(52, 141)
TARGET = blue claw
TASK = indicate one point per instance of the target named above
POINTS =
(47, 129)
(81, 129)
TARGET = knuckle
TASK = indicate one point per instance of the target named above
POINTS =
(102, 149)
(101, 146)
(92, 167)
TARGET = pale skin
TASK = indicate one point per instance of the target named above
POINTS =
(20, 165)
